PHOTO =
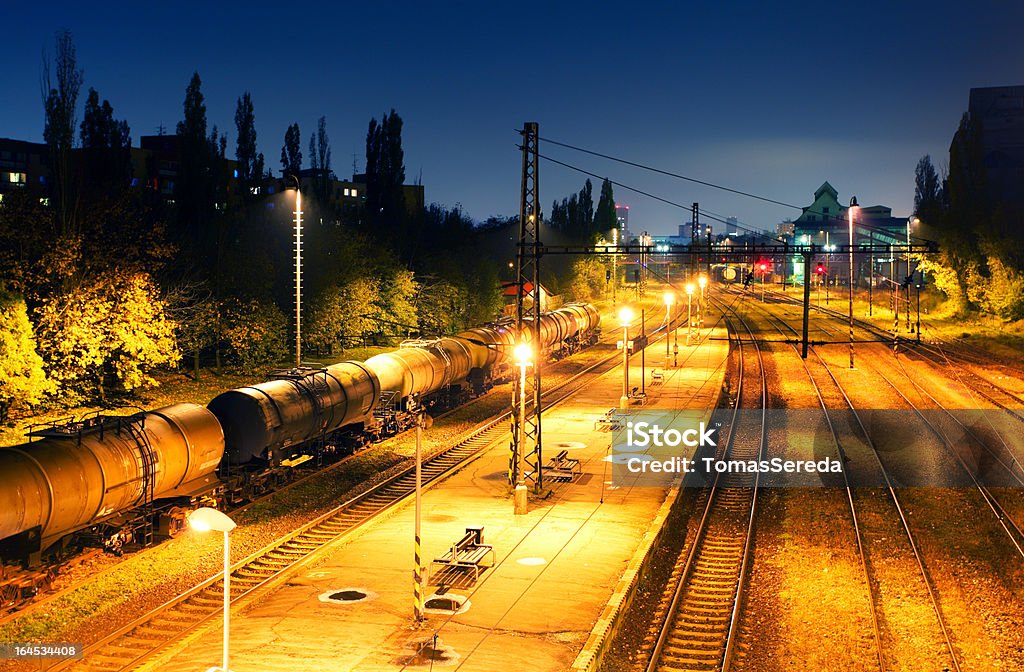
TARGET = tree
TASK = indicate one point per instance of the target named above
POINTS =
(111, 328)
(199, 230)
(320, 161)
(586, 209)
(395, 305)
(291, 152)
(385, 172)
(256, 330)
(22, 379)
(60, 101)
(927, 190)
(604, 218)
(106, 148)
(587, 280)
(250, 163)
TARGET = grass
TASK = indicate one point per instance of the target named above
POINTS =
(938, 322)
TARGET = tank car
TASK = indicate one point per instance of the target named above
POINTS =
(105, 474)
(263, 422)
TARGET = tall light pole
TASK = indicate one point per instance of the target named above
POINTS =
(615, 242)
(703, 282)
(689, 312)
(625, 317)
(853, 206)
(298, 272)
(523, 353)
(670, 298)
(204, 520)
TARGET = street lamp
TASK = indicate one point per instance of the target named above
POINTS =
(523, 354)
(853, 206)
(205, 520)
(625, 317)
(298, 272)
(670, 298)
(689, 311)
(703, 282)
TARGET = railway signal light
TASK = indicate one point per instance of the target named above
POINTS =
(820, 270)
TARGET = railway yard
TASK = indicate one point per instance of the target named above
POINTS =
(909, 556)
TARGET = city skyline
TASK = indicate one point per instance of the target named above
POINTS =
(769, 101)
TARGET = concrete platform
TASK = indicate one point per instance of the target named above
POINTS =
(561, 573)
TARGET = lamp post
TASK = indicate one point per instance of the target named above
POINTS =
(669, 300)
(204, 520)
(298, 272)
(689, 312)
(625, 317)
(853, 206)
(523, 353)
(703, 282)
(615, 243)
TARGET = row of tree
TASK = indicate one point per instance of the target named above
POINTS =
(979, 228)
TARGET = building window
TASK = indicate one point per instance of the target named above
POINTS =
(354, 193)
(825, 210)
(345, 191)
(17, 178)
(236, 173)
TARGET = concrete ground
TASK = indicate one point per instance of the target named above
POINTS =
(556, 568)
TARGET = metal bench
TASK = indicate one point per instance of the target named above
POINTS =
(609, 420)
(466, 553)
(657, 377)
(563, 468)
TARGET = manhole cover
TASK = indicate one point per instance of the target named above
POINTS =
(431, 652)
(347, 596)
(446, 604)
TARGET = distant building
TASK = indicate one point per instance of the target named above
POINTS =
(1000, 112)
(622, 217)
(23, 165)
(786, 228)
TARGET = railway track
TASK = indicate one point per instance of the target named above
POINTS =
(701, 619)
(148, 636)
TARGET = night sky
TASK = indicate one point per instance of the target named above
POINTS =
(772, 98)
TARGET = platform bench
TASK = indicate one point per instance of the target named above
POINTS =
(563, 468)
(466, 553)
(657, 377)
(609, 420)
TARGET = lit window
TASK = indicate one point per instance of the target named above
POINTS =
(344, 192)
(236, 173)
(17, 178)
(45, 201)
(354, 193)
(255, 191)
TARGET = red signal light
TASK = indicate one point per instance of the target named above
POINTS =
(764, 267)
(821, 269)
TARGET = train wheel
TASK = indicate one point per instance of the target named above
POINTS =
(10, 595)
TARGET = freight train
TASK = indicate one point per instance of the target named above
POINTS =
(113, 480)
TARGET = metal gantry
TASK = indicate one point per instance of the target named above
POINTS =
(526, 422)
(784, 250)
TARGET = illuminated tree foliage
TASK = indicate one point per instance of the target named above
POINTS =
(587, 281)
(255, 330)
(22, 379)
(109, 330)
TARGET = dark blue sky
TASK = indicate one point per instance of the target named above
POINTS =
(766, 97)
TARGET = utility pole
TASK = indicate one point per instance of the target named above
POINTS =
(694, 239)
(527, 447)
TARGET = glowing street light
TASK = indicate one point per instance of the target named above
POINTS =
(670, 298)
(523, 355)
(703, 282)
(853, 206)
(689, 312)
(206, 519)
(298, 272)
(625, 317)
